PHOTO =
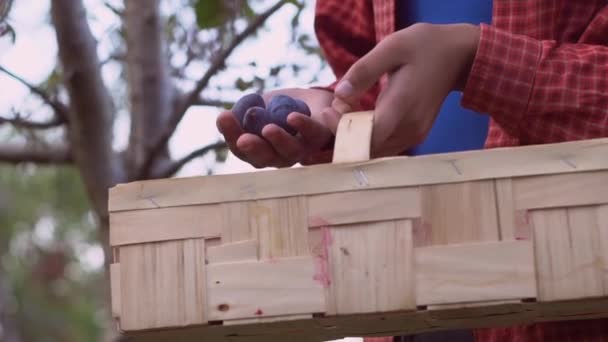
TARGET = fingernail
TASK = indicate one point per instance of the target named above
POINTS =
(344, 89)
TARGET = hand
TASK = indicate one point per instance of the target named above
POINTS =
(279, 148)
(424, 63)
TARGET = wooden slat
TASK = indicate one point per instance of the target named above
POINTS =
(163, 285)
(235, 224)
(280, 227)
(353, 138)
(570, 157)
(567, 253)
(254, 289)
(233, 252)
(163, 224)
(371, 267)
(557, 191)
(364, 206)
(602, 220)
(115, 289)
(457, 213)
(475, 272)
(506, 208)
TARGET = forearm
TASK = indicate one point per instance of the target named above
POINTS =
(538, 90)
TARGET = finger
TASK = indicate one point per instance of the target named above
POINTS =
(287, 147)
(318, 158)
(341, 106)
(395, 107)
(257, 152)
(315, 135)
(368, 70)
(229, 127)
(331, 118)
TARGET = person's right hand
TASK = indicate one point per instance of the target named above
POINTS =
(279, 148)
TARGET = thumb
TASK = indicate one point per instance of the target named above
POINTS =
(368, 70)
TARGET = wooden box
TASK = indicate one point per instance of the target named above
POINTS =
(365, 247)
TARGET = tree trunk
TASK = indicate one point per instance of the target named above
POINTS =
(150, 87)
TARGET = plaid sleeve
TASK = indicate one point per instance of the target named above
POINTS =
(345, 30)
(538, 90)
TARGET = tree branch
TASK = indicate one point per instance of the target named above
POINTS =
(19, 122)
(213, 103)
(191, 98)
(61, 110)
(150, 88)
(14, 154)
(91, 108)
(172, 169)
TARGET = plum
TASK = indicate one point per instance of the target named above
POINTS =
(281, 106)
(244, 103)
(255, 119)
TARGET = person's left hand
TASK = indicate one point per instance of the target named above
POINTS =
(424, 63)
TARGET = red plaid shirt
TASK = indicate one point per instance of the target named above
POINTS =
(541, 72)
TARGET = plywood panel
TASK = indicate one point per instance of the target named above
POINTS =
(263, 288)
(568, 253)
(163, 224)
(475, 272)
(280, 226)
(556, 191)
(456, 213)
(364, 206)
(371, 267)
(163, 284)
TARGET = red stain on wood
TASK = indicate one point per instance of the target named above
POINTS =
(523, 225)
(259, 312)
(322, 273)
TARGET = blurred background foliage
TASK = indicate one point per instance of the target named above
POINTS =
(52, 278)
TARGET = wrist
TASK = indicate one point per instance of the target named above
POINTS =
(465, 39)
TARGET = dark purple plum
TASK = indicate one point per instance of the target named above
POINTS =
(281, 106)
(244, 103)
(255, 119)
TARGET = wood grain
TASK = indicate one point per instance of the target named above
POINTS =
(233, 252)
(568, 255)
(115, 289)
(457, 213)
(255, 289)
(164, 224)
(364, 206)
(353, 138)
(163, 285)
(373, 263)
(379, 173)
(475, 272)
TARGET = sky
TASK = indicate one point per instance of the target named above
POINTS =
(33, 54)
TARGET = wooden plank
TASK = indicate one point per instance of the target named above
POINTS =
(474, 272)
(458, 213)
(163, 285)
(506, 208)
(568, 157)
(164, 224)
(254, 289)
(364, 206)
(602, 220)
(353, 138)
(372, 267)
(557, 191)
(567, 253)
(115, 289)
(280, 227)
(233, 252)
(235, 224)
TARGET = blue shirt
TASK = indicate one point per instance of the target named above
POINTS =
(456, 128)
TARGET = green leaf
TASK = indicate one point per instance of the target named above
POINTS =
(209, 13)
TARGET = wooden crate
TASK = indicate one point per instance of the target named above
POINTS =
(365, 247)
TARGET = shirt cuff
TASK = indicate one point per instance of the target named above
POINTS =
(502, 76)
